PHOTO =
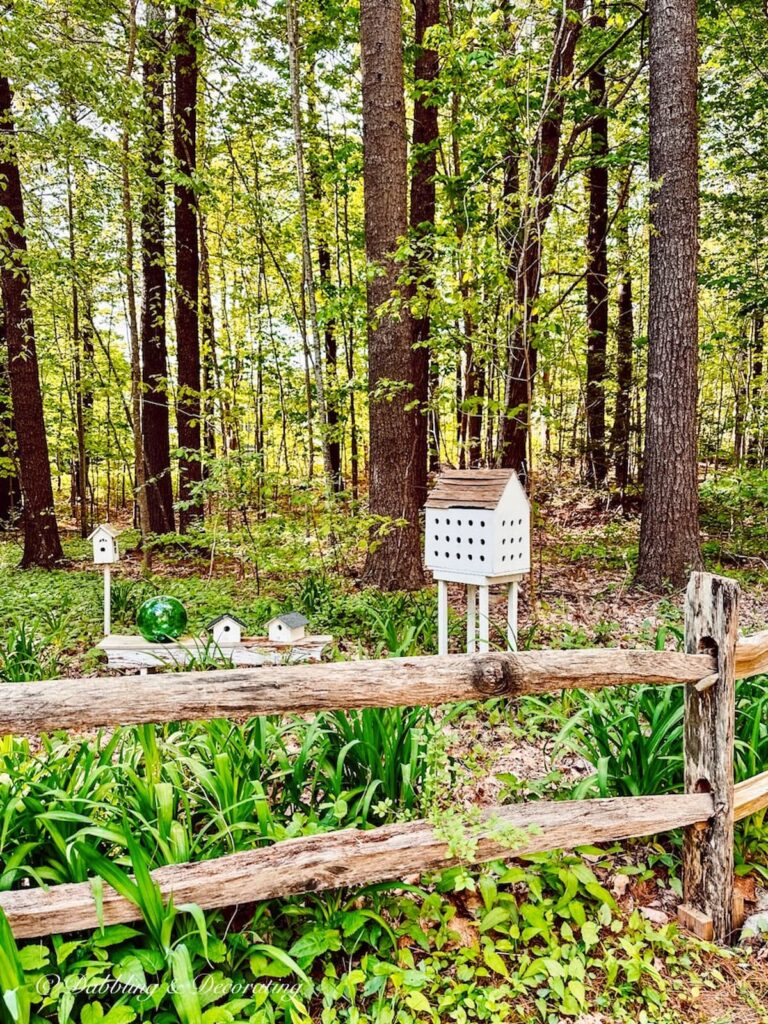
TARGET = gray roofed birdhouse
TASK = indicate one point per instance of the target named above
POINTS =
(226, 629)
(105, 546)
(478, 526)
(287, 628)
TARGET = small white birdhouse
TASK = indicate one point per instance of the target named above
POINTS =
(227, 629)
(105, 547)
(478, 526)
(287, 628)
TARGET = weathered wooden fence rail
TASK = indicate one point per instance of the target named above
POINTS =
(31, 708)
(707, 810)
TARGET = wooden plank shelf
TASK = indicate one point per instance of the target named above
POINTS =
(125, 650)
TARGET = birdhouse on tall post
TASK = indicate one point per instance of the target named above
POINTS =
(105, 546)
(478, 532)
(106, 551)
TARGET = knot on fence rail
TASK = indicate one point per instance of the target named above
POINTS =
(496, 675)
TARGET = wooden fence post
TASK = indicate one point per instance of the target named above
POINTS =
(711, 622)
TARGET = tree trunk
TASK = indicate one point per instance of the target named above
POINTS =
(625, 339)
(394, 561)
(10, 492)
(187, 263)
(335, 432)
(756, 390)
(740, 378)
(597, 270)
(42, 546)
(525, 248)
(331, 371)
(422, 220)
(468, 401)
(306, 247)
(80, 475)
(154, 353)
(669, 533)
(10, 500)
(474, 393)
(209, 346)
(141, 496)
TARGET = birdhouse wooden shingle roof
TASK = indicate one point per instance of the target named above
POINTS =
(470, 488)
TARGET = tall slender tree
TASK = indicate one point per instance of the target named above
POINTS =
(42, 546)
(669, 532)
(126, 143)
(324, 267)
(597, 265)
(756, 387)
(10, 491)
(394, 560)
(425, 140)
(308, 277)
(208, 335)
(625, 340)
(188, 410)
(154, 354)
(526, 242)
(331, 359)
(81, 384)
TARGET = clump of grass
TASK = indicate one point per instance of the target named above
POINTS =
(24, 656)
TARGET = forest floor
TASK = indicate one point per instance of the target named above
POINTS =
(582, 597)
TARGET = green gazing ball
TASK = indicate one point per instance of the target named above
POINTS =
(161, 620)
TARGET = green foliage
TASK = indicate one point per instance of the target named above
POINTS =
(542, 940)
(380, 758)
(734, 508)
(634, 738)
(25, 657)
(114, 807)
(49, 617)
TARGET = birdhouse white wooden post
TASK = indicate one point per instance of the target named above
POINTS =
(478, 532)
(106, 551)
(287, 628)
(227, 629)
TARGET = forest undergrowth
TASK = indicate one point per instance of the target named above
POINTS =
(589, 937)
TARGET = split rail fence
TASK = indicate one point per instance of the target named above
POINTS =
(707, 809)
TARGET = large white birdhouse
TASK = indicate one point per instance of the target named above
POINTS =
(287, 628)
(478, 532)
(478, 525)
(105, 546)
(227, 629)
